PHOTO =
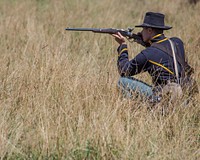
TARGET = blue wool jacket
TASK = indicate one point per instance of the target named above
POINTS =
(158, 63)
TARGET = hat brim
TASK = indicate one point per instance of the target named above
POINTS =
(153, 26)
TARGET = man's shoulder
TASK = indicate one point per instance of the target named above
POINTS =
(149, 50)
(177, 40)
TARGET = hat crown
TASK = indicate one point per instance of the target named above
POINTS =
(156, 19)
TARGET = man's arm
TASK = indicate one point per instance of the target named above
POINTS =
(126, 67)
(132, 67)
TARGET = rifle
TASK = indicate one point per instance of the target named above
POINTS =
(126, 33)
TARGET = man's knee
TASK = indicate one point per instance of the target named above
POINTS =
(131, 84)
(123, 82)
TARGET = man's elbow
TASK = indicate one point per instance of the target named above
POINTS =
(124, 73)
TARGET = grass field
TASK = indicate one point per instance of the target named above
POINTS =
(58, 95)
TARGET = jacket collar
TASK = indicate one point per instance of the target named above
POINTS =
(158, 38)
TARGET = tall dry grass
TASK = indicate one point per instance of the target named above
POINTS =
(58, 97)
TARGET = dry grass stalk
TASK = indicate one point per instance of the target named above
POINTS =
(58, 95)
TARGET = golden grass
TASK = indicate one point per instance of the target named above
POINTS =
(58, 95)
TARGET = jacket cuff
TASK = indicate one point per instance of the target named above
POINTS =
(122, 49)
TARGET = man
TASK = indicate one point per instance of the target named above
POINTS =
(157, 59)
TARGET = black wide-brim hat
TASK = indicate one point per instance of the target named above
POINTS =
(154, 20)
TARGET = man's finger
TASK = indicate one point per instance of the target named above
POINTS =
(116, 36)
(119, 34)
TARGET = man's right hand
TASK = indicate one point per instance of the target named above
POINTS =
(141, 42)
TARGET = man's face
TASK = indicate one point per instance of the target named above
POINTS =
(146, 34)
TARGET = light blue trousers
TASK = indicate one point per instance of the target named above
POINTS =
(130, 85)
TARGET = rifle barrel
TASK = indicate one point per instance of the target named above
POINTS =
(82, 29)
(102, 30)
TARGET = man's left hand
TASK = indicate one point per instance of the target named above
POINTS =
(119, 38)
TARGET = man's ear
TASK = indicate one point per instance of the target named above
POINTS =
(150, 30)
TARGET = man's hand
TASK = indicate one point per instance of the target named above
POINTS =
(144, 44)
(119, 38)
